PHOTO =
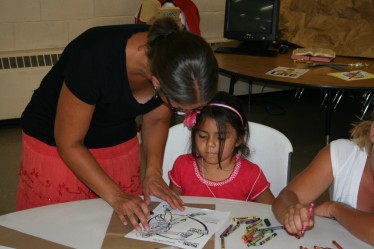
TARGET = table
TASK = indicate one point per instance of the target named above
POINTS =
(254, 68)
(82, 224)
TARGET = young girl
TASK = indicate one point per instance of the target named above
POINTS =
(215, 168)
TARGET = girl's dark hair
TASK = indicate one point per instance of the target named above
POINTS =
(183, 62)
(224, 116)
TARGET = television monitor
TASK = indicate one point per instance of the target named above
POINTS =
(252, 22)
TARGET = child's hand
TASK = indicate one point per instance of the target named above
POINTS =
(296, 217)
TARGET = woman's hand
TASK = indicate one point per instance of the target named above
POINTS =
(296, 217)
(133, 209)
(153, 184)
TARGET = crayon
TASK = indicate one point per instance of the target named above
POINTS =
(337, 244)
(267, 239)
(222, 242)
(232, 229)
(311, 206)
(226, 230)
(267, 222)
(243, 218)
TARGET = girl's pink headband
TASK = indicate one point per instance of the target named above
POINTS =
(228, 107)
(190, 120)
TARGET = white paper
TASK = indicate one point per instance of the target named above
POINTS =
(287, 72)
(191, 228)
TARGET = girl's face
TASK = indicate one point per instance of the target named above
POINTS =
(208, 140)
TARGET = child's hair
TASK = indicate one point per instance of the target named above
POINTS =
(360, 133)
(224, 109)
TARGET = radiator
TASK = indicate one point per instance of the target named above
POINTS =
(20, 75)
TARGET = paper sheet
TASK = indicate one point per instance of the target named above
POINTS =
(191, 228)
(287, 72)
(353, 75)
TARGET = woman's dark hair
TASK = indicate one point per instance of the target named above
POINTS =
(183, 62)
(222, 117)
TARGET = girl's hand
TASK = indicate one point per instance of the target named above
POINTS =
(153, 184)
(133, 209)
(296, 217)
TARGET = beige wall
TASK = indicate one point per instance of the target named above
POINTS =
(34, 27)
(45, 24)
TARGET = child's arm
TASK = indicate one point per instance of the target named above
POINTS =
(174, 188)
(266, 197)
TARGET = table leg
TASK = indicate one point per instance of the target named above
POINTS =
(328, 117)
(249, 94)
(233, 80)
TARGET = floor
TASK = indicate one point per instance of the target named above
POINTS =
(302, 121)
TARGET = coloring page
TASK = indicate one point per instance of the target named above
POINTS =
(353, 75)
(191, 228)
(287, 72)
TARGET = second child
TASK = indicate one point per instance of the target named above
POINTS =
(216, 166)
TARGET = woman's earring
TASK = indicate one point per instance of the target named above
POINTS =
(155, 92)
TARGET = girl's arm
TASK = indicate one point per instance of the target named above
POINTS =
(72, 122)
(266, 197)
(174, 188)
(155, 128)
(292, 204)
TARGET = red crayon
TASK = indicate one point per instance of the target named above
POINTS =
(337, 245)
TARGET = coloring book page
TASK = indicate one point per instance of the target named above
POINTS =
(191, 228)
(287, 72)
(353, 75)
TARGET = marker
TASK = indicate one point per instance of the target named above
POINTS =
(226, 230)
(311, 206)
(267, 239)
(337, 244)
(272, 228)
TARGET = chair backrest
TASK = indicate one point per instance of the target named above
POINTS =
(269, 148)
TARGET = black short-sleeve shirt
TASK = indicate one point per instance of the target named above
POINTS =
(93, 66)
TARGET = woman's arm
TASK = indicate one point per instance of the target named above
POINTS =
(72, 122)
(155, 128)
(359, 223)
(291, 206)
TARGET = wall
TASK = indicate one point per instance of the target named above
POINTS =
(33, 31)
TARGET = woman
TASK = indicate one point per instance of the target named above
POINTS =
(79, 129)
(347, 167)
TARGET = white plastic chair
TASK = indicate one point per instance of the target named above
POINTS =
(269, 148)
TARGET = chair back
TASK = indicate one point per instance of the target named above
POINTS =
(269, 149)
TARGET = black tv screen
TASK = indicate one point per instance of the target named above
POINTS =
(251, 20)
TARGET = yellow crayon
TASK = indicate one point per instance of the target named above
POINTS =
(267, 239)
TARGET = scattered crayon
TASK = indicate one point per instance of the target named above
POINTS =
(226, 230)
(267, 239)
(337, 244)
(267, 222)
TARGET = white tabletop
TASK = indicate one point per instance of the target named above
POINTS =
(82, 224)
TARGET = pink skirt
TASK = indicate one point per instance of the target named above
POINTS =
(45, 179)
